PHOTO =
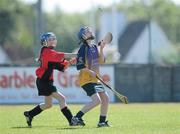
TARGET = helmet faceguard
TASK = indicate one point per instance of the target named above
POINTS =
(46, 37)
(85, 33)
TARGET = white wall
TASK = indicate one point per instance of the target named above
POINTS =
(139, 52)
(160, 42)
(107, 24)
(114, 22)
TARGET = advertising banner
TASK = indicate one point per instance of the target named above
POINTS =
(18, 85)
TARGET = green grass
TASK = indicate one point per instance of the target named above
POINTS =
(146, 118)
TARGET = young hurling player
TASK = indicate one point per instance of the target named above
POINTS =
(88, 60)
(49, 60)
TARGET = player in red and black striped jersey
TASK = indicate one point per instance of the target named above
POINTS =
(49, 60)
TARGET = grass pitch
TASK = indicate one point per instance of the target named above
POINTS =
(145, 118)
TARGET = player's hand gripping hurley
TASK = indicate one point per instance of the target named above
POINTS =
(123, 98)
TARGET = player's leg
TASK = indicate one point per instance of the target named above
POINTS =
(95, 100)
(103, 109)
(47, 103)
(38, 109)
(63, 106)
(104, 104)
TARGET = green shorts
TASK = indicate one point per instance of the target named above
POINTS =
(92, 88)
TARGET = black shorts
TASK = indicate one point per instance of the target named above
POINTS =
(92, 88)
(45, 88)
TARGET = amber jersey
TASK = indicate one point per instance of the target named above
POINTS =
(88, 57)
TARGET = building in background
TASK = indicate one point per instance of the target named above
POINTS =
(114, 22)
(139, 42)
(134, 43)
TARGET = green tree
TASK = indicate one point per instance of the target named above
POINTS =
(7, 19)
(65, 26)
(6, 25)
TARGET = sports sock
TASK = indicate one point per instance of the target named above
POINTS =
(35, 111)
(67, 113)
(79, 114)
(102, 118)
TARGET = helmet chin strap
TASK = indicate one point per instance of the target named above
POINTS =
(84, 40)
(90, 38)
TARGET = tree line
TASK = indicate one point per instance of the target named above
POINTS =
(18, 27)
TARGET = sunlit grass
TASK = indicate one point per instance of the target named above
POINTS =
(146, 118)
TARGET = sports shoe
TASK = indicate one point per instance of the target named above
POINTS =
(77, 121)
(103, 124)
(72, 124)
(28, 118)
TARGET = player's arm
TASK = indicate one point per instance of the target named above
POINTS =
(53, 56)
(70, 55)
(62, 66)
(57, 66)
(53, 59)
(101, 53)
(66, 63)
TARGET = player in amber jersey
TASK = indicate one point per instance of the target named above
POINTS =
(88, 60)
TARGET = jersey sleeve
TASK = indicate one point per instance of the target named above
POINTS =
(81, 58)
(65, 63)
(55, 56)
(57, 66)
(51, 56)
(101, 58)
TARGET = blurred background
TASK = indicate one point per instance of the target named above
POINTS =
(144, 55)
